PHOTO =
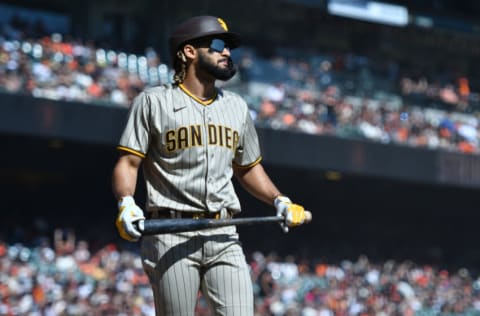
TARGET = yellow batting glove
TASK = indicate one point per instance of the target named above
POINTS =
(294, 214)
(129, 213)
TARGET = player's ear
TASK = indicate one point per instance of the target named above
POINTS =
(189, 52)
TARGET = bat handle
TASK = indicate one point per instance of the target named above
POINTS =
(140, 225)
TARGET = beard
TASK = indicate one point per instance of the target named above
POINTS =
(216, 71)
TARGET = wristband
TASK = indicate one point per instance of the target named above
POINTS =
(126, 200)
(281, 198)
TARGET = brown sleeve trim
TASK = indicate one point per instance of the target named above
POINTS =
(131, 151)
(256, 162)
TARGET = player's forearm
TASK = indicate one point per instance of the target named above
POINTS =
(125, 173)
(256, 181)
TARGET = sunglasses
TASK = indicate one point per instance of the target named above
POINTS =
(217, 45)
(214, 45)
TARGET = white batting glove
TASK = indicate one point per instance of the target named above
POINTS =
(293, 214)
(128, 214)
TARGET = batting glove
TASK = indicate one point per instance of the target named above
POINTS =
(293, 214)
(128, 214)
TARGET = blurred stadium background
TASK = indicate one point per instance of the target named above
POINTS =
(367, 114)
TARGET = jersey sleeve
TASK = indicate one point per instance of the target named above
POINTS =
(135, 138)
(247, 153)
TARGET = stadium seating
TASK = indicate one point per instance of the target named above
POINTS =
(341, 95)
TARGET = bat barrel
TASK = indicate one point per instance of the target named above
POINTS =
(165, 226)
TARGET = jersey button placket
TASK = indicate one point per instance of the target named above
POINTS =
(207, 119)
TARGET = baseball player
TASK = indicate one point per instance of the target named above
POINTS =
(190, 139)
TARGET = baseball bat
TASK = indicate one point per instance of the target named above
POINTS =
(176, 225)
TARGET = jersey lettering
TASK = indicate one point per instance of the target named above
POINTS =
(220, 135)
(191, 136)
(196, 135)
(170, 140)
(236, 139)
(182, 133)
(212, 134)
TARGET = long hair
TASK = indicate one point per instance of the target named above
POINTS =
(180, 67)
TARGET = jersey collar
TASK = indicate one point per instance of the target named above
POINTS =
(203, 102)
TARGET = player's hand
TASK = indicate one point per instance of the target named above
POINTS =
(128, 214)
(293, 214)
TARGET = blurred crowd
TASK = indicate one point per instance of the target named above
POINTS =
(64, 68)
(360, 287)
(343, 95)
(67, 279)
(63, 275)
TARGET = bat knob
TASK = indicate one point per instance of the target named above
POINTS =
(308, 217)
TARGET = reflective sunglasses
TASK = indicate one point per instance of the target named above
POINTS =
(217, 45)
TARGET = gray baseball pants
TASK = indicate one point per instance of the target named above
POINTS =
(211, 260)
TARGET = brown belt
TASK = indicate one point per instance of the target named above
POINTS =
(191, 215)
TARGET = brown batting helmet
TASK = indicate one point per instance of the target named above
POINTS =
(201, 26)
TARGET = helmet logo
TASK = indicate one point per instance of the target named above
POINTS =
(222, 24)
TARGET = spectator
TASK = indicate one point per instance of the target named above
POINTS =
(110, 281)
(330, 95)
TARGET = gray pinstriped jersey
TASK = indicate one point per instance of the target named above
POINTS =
(189, 147)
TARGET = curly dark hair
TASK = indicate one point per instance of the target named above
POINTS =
(180, 68)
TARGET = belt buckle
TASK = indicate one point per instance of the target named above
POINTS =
(198, 215)
(201, 215)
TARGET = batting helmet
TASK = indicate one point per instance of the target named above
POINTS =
(201, 26)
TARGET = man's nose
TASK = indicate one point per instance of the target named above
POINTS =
(226, 51)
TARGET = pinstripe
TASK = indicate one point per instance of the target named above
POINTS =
(168, 276)
(177, 174)
(175, 279)
(178, 180)
(176, 285)
(226, 282)
(227, 271)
